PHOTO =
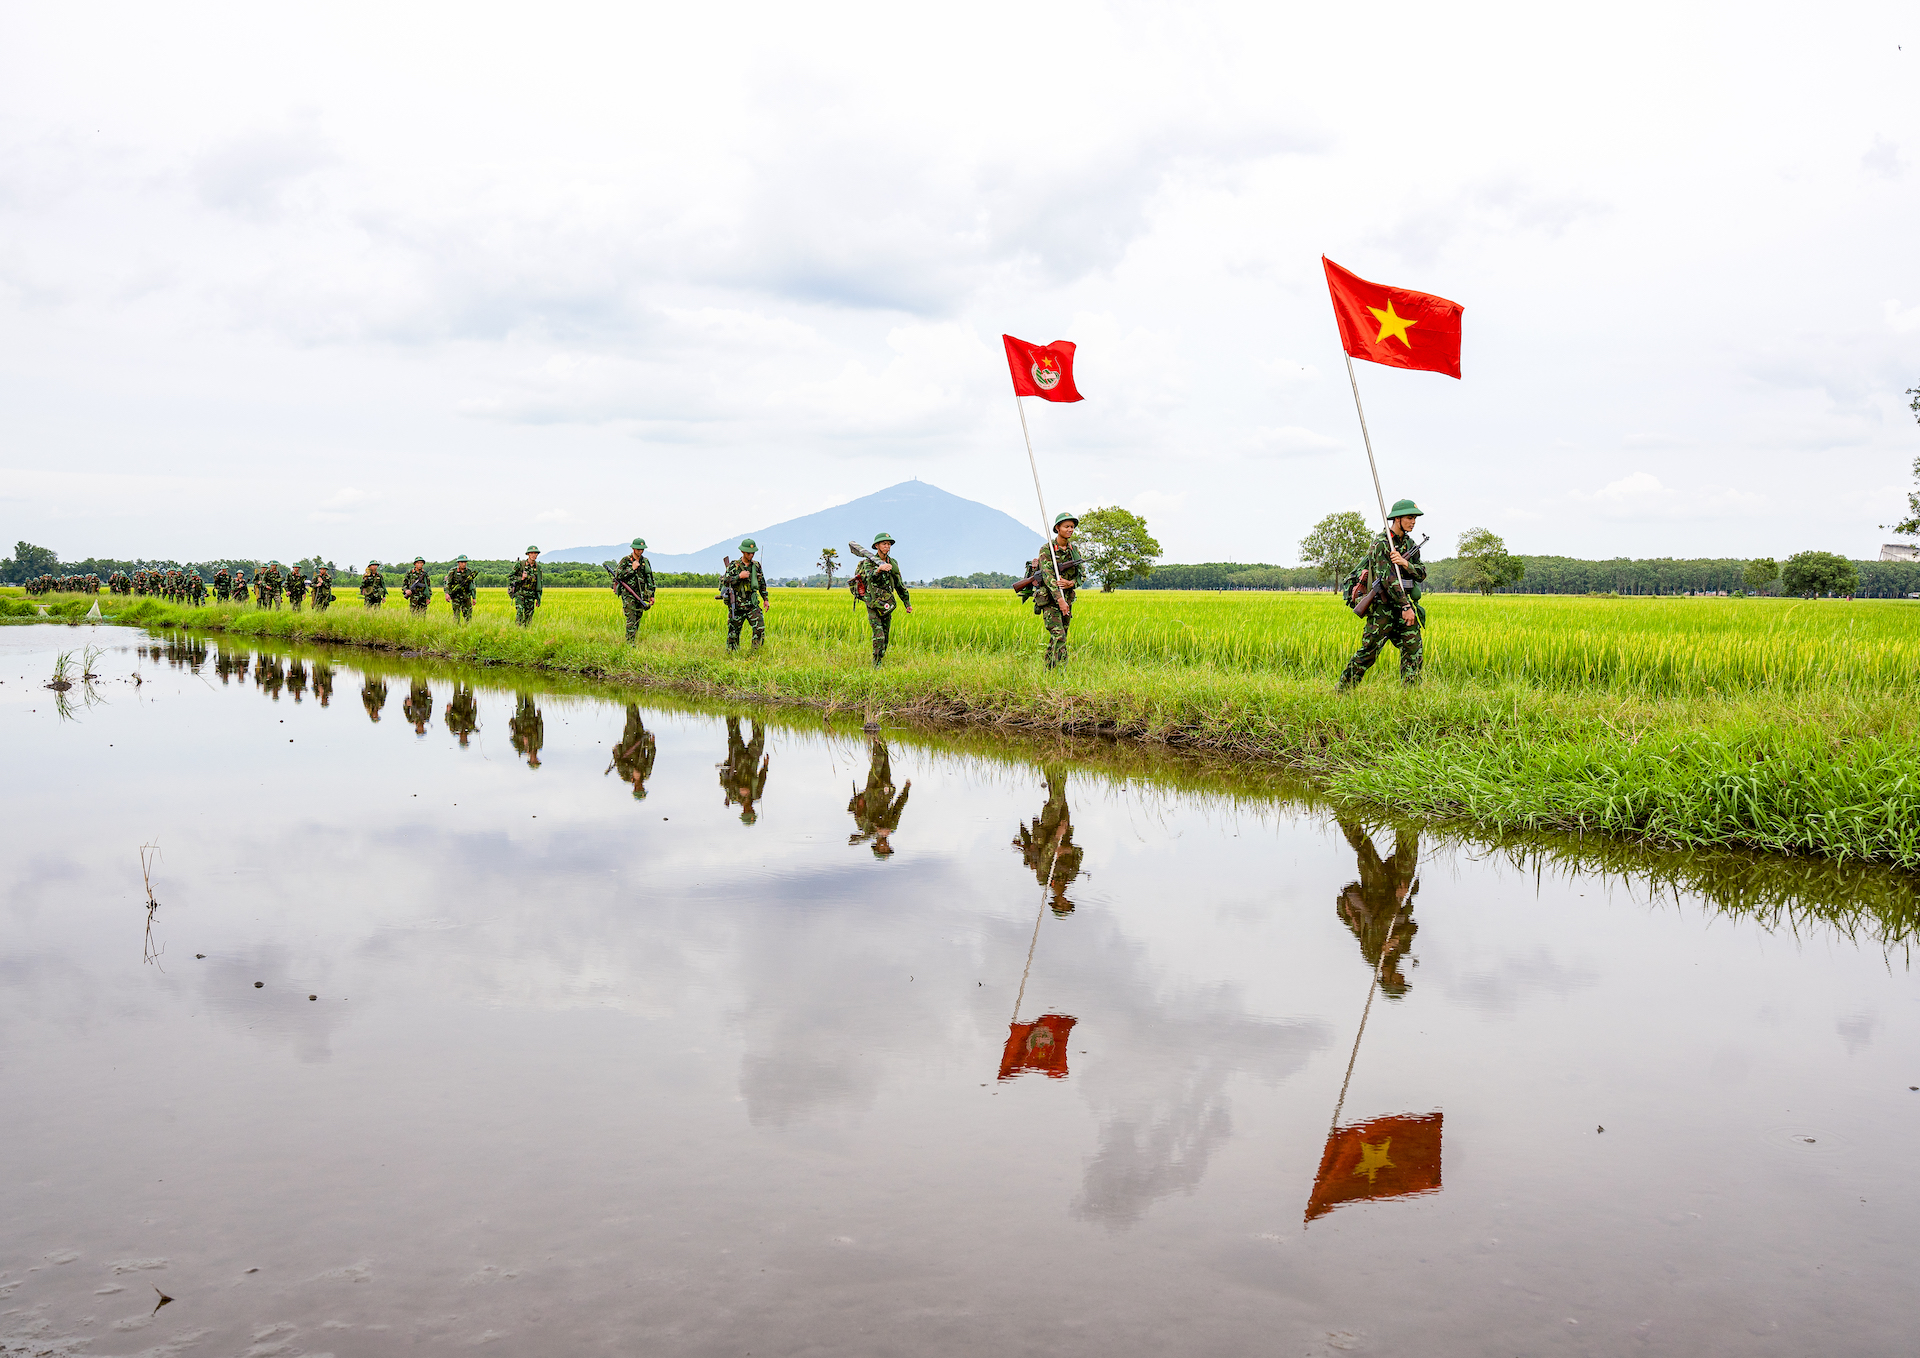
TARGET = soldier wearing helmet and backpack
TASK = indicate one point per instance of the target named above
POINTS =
(1386, 592)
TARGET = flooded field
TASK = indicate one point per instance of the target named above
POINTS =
(455, 1011)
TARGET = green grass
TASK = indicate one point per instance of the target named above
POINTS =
(1766, 724)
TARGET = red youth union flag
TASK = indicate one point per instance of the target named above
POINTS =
(1395, 326)
(1040, 1045)
(1043, 370)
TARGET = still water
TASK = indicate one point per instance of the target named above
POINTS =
(475, 1015)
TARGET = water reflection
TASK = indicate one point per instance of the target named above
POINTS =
(743, 778)
(418, 708)
(323, 682)
(527, 728)
(463, 713)
(634, 752)
(1046, 844)
(875, 809)
(296, 678)
(373, 696)
(269, 675)
(1379, 907)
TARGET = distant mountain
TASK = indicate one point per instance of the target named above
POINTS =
(939, 534)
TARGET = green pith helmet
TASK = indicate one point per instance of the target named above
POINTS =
(533, 551)
(1059, 519)
(461, 559)
(273, 563)
(372, 564)
(879, 538)
(639, 544)
(749, 545)
(419, 561)
(1402, 508)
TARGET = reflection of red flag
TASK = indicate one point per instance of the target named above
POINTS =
(1040, 1045)
(1043, 370)
(1395, 326)
(1391, 1157)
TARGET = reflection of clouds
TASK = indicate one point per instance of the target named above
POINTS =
(1500, 988)
(1166, 1112)
(279, 1012)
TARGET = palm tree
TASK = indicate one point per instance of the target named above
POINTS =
(829, 562)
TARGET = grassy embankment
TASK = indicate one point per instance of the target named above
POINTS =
(1777, 725)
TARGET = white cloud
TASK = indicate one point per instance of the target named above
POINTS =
(1642, 495)
(1902, 320)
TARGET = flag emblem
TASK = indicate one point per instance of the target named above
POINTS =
(1046, 375)
(1040, 1045)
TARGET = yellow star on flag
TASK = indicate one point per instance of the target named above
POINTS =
(1373, 1155)
(1391, 324)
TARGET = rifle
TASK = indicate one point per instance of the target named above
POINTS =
(725, 595)
(866, 555)
(1364, 604)
(618, 583)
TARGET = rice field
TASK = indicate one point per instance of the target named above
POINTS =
(1642, 644)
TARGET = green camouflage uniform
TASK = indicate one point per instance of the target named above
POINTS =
(749, 591)
(1379, 907)
(196, 587)
(463, 713)
(417, 587)
(239, 593)
(874, 808)
(222, 584)
(322, 589)
(460, 585)
(323, 682)
(1047, 846)
(1050, 589)
(296, 588)
(632, 577)
(418, 708)
(373, 590)
(373, 696)
(527, 729)
(1384, 623)
(270, 581)
(743, 778)
(878, 589)
(523, 587)
(633, 756)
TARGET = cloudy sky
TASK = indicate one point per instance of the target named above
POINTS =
(379, 279)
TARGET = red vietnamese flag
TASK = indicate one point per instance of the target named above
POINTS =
(1040, 1045)
(1043, 370)
(1395, 326)
(1390, 1157)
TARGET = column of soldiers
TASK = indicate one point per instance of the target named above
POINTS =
(1384, 589)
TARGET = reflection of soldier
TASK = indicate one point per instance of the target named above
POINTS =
(1047, 844)
(419, 706)
(323, 682)
(296, 679)
(742, 783)
(373, 696)
(633, 756)
(463, 713)
(269, 676)
(1379, 907)
(875, 810)
(528, 728)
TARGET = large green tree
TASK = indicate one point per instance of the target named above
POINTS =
(1485, 563)
(1115, 545)
(1807, 574)
(1336, 544)
(1759, 573)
